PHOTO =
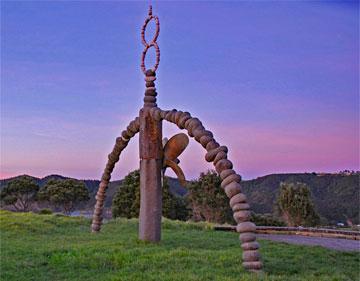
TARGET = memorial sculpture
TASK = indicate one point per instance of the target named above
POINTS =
(157, 154)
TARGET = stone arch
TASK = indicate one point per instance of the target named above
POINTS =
(230, 180)
(121, 142)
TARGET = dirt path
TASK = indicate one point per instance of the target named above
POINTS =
(330, 243)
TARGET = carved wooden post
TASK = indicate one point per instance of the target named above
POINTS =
(151, 160)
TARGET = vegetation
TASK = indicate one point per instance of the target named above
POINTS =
(91, 185)
(45, 212)
(336, 196)
(173, 207)
(266, 220)
(295, 205)
(20, 193)
(64, 194)
(50, 247)
(126, 202)
(208, 200)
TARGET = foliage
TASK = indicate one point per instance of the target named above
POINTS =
(126, 202)
(45, 212)
(173, 207)
(20, 193)
(295, 205)
(266, 220)
(335, 196)
(208, 200)
(64, 194)
(62, 248)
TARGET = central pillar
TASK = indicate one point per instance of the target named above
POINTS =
(151, 160)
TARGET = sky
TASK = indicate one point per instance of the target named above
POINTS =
(276, 82)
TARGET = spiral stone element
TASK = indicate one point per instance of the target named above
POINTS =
(152, 43)
(120, 144)
(230, 181)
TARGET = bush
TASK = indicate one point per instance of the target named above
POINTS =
(45, 212)
(295, 205)
(126, 202)
(208, 200)
(266, 220)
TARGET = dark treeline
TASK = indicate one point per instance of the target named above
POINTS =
(325, 199)
(207, 201)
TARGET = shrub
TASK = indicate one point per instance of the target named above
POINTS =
(45, 212)
(126, 202)
(295, 205)
(208, 200)
(266, 220)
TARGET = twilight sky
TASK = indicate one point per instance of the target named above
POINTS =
(277, 82)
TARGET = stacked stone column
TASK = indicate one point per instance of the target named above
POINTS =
(150, 91)
(113, 158)
(230, 181)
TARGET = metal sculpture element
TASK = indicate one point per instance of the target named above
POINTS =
(172, 150)
(157, 154)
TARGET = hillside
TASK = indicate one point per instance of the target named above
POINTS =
(53, 247)
(336, 196)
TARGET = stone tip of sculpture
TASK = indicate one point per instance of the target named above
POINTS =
(150, 72)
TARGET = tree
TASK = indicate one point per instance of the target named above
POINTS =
(208, 200)
(173, 207)
(64, 194)
(295, 205)
(20, 193)
(126, 202)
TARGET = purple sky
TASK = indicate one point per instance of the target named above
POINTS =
(277, 82)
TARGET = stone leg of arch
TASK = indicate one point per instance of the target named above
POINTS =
(121, 143)
(230, 182)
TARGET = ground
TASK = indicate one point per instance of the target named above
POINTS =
(49, 247)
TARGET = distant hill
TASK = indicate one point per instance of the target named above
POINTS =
(336, 196)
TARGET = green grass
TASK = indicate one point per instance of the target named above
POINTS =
(51, 248)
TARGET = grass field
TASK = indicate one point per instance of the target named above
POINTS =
(51, 248)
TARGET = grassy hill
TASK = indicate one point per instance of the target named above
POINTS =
(336, 196)
(50, 247)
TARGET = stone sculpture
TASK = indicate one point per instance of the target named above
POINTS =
(155, 157)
